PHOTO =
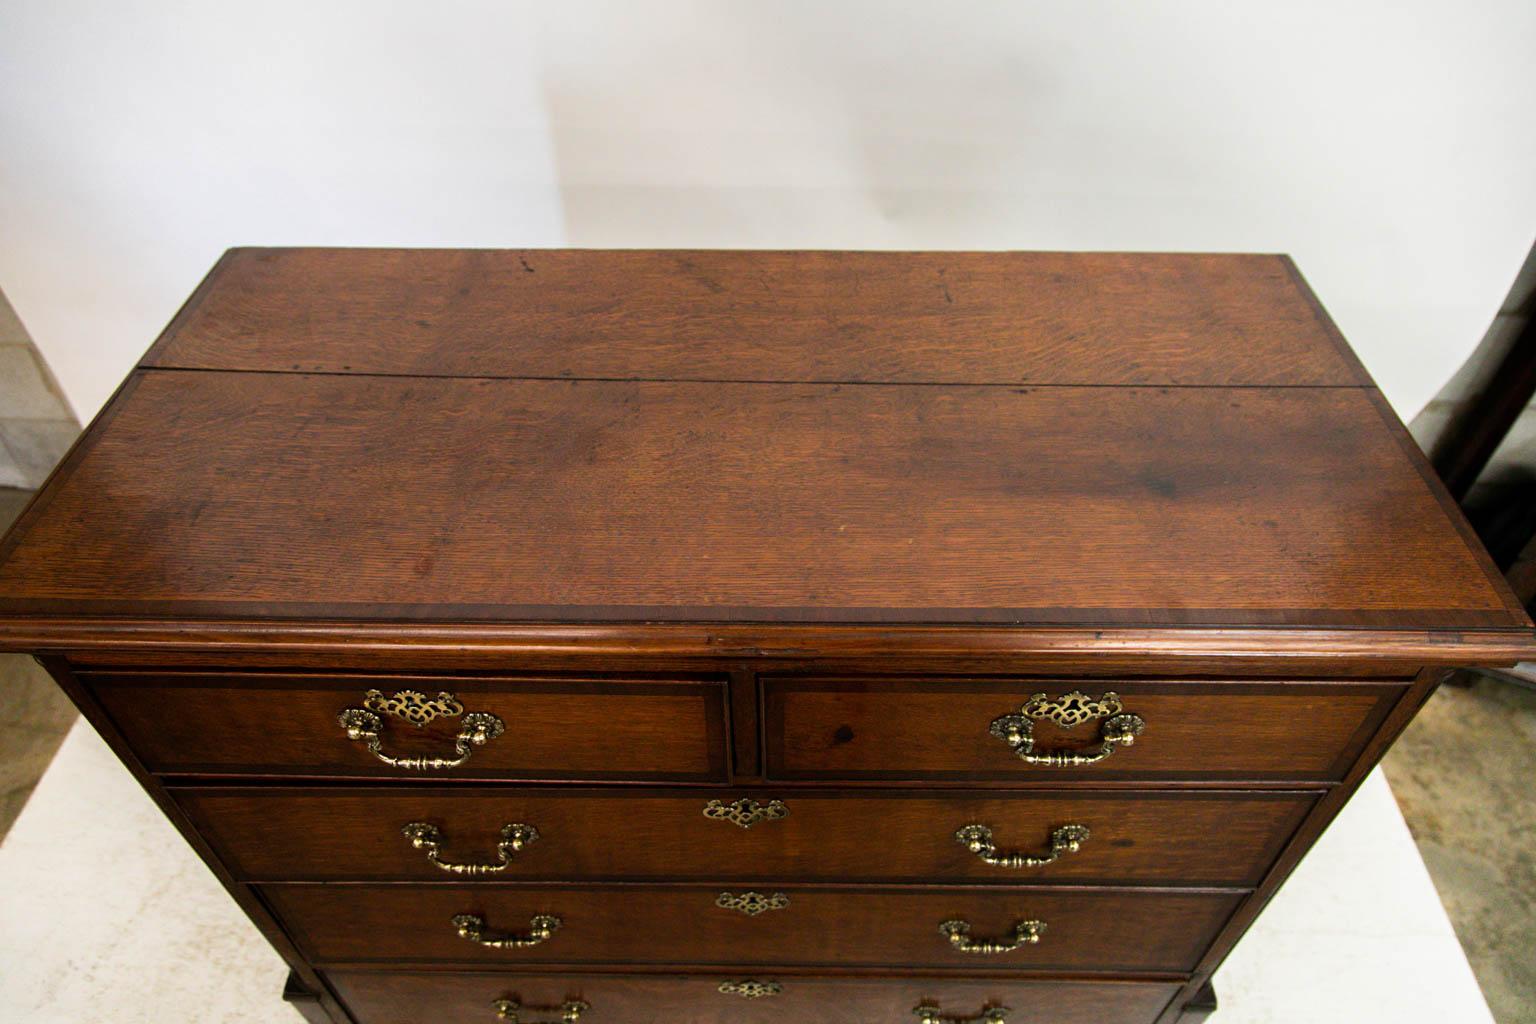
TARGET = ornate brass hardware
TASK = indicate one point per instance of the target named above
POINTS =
(751, 903)
(746, 813)
(1025, 933)
(1068, 711)
(475, 728)
(570, 1011)
(541, 928)
(978, 839)
(749, 989)
(929, 1013)
(514, 838)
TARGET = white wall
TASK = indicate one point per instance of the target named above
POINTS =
(1382, 144)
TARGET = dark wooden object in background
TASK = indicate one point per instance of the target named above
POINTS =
(721, 526)
(1477, 433)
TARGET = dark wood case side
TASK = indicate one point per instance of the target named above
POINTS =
(1196, 991)
(302, 976)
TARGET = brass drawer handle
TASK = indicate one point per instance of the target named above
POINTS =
(1068, 711)
(929, 1013)
(541, 928)
(1025, 933)
(475, 728)
(514, 838)
(570, 1011)
(745, 812)
(978, 839)
(748, 988)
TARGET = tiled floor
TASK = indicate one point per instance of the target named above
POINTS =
(1462, 773)
(34, 715)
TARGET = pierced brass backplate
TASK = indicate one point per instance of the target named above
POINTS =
(1068, 711)
(414, 707)
(1071, 710)
(746, 813)
(751, 903)
(747, 988)
(365, 723)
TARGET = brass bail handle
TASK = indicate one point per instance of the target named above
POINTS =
(929, 1013)
(515, 838)
(541, 928)
(1068, 711)
(1064, 840)
(476, 728)
(1025, 933)
(570, 1011)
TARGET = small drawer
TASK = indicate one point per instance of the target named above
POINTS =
(1151, 837)
(398, 997)
(1080, 930)
(1031, 731)
(420, 727)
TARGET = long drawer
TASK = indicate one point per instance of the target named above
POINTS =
(402, 726)
(1033, 730)
(1110, 931)
(1154, 837)
(434, 998)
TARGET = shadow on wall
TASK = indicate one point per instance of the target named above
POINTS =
(878, 128)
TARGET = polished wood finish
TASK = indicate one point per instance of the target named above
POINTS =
(1087, 929)
(789, 526)
(874, 317)
(431, 998)
(932, 729)
(1149, 837)
(467, 500)
(272, 724)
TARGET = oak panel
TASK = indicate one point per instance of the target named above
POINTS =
(556, 729)
(937, 729)
(1094, 930)
(402, 997)
(1149, 837)
(386, 499)
(949, 317)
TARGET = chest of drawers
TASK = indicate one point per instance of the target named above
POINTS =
(714, 637)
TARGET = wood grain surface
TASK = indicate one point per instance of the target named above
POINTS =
(265, 495)
(556, 729)
(1087, 929)
(421, 998)
(930, 317)
(936, 729)
(1150, 837)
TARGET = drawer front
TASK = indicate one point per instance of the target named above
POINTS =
(754, 998)
(1199, 838)
(1100, 930)
(974, 729)
(544, 729)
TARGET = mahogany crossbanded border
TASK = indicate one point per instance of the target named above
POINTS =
(750, 526)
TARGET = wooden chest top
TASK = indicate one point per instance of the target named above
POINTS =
(510, 444)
